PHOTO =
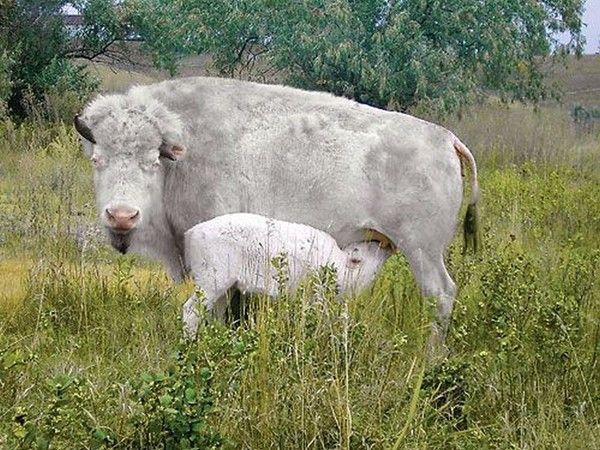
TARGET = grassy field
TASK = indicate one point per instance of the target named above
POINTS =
(91, 354)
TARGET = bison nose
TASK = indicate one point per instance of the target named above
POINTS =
(122, 218)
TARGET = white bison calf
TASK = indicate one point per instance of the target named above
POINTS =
(236, 251)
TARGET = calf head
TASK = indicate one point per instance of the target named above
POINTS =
(364, 261)
(128, 142)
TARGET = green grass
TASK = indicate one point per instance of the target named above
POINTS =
(90, 345)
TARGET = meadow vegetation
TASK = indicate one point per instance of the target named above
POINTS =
(91, 349)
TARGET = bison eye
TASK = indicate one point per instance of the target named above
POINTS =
(97, 161)
(152, 167)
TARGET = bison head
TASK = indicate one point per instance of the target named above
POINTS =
(129, 143)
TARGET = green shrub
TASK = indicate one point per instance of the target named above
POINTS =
(42, 79)
(168, 410)
(6, 82)
(172, 407)
(62, 420)
(65, 86)
(585, 117)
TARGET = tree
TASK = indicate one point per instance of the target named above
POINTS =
(396, 54)
(37, 50)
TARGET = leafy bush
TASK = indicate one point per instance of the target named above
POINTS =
(6, 83)
(66, 87)
(61, 421)
(169, 411)
(585, 117)
(447, 388)
(173, 406)
(39, 51)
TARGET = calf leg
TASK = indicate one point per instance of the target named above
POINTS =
(190, 317)
(215, 302)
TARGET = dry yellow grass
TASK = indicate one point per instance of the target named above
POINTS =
(12, 283)
(15, 271)
(113, 79)
(514, 133)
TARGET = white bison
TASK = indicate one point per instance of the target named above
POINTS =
(170, 155)
(236, 251)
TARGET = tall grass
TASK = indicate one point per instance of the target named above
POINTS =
(91, 354)
(116, 79)
(501, 135)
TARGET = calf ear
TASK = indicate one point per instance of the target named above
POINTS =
(174, 152)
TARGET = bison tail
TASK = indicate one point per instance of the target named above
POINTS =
(471, 226)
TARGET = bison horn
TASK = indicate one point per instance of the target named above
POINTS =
(83, 129)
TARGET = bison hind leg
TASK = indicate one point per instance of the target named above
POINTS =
(434, 281)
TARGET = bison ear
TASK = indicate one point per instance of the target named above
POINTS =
(174, 152)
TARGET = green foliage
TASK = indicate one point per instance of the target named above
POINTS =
(163, 409)
(410, 55)
(169, 410)
(174, 406)
(396, 55)
(447, 387)
(6, 63)
(585, 117)
(526, 315)
(39, 49)
(61, 421)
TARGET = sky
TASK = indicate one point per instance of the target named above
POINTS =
(591, 18)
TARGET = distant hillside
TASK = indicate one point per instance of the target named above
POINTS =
(581, 81)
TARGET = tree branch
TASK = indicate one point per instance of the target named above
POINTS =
(92, 55)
